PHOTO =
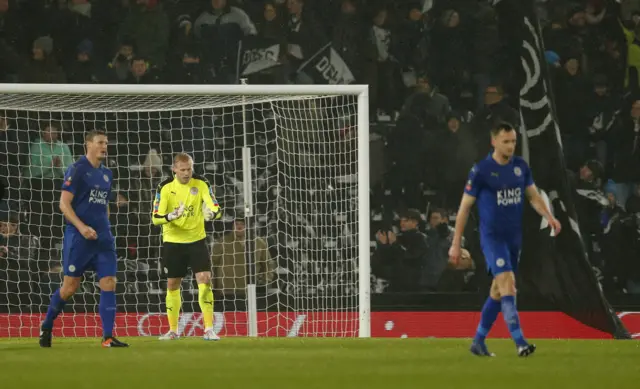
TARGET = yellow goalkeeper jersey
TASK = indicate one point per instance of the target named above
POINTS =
(190, 227)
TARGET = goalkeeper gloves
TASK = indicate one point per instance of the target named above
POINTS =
(176, 213)
(209, 214)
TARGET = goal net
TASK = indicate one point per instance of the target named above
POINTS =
(288, 164)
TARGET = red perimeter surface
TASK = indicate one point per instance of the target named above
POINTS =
(541, 325)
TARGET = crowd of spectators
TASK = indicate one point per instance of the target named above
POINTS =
(438, 82)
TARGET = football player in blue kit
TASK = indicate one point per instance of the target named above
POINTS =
(499, 184)
(88, 242)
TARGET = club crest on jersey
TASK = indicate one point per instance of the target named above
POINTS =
(500, 262)
(468, 187)
(517, 171)
(106, 178)
(194, 190)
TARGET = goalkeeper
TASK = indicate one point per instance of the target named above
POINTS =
(181, 206)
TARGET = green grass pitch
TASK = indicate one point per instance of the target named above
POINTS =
(316, 363)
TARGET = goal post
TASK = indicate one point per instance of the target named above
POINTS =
(288, 163)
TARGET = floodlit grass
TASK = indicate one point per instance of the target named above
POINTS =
(316, 363)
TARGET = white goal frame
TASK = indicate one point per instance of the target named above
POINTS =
(244, 90)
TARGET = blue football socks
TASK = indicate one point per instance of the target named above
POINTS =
(55, 307)
(512, 319)
(107, 312)
(488, 316)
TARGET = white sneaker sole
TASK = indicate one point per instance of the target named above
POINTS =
(165, 339)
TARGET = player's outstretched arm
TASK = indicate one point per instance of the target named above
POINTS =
(538, 203)
(461, 222)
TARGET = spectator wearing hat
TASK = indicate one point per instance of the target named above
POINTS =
(73, 24)
(552, 58)
(83, 70)
(612, 210)
(42, 68)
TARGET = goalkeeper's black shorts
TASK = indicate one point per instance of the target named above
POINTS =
(177, 258)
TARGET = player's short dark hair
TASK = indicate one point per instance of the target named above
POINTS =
(92, 134)
(502, 126)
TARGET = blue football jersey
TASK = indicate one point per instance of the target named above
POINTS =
(91, 188)
(500, 194)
